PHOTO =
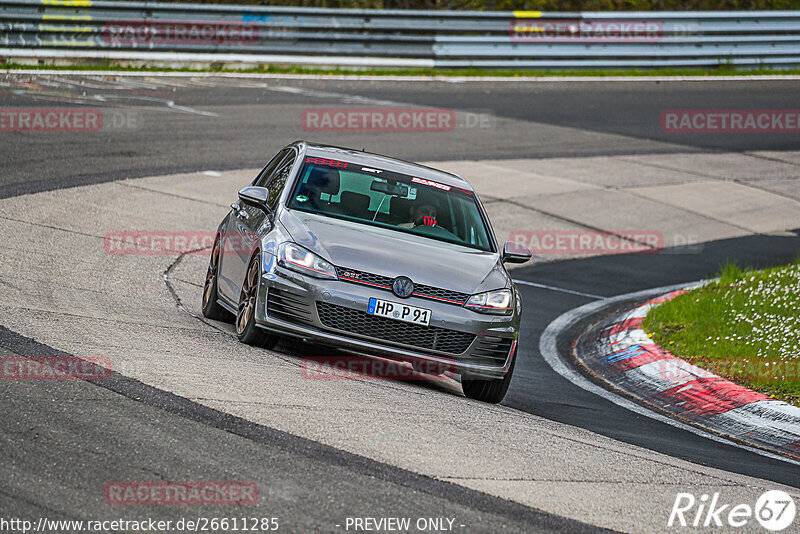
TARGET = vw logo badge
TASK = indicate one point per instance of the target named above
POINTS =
(403, 287)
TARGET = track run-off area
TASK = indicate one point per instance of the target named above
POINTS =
(187, 402)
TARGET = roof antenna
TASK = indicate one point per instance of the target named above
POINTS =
(362, 149)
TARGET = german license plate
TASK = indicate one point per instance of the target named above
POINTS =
(401, 312)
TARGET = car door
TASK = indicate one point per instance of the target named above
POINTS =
(228, 283)
(247, 224)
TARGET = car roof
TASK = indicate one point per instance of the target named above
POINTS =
(369, 159)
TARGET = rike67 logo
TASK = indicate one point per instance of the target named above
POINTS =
(774, 510)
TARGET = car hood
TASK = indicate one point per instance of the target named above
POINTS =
(390, 253)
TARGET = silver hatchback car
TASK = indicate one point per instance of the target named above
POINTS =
(373, 255)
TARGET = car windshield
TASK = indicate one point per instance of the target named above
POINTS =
(387, 199)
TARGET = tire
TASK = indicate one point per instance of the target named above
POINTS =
(493, 390)
(212, 308)
(246, 328)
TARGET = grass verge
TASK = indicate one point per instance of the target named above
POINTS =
(288, 69)
(744, 327)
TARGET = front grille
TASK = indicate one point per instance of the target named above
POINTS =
(493, 348)
(288, 306)
(438, 293)
(424, 337)
(384, 282)
(361, 277)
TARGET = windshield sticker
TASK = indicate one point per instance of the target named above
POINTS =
(329, 162)
(367, 169)
(430, 183)
(301, 198)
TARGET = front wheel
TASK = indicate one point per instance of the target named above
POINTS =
(492, 390)
(246, 328)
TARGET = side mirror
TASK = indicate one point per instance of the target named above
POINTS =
(256, 197)
(515, 253)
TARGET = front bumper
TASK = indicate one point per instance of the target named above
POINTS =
(290, 303)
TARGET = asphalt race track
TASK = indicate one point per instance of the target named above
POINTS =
(156, 424)
(260, 116)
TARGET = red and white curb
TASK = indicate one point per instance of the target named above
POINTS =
(618, 351)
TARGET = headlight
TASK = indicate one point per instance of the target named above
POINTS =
(494, 302)
(296, 258)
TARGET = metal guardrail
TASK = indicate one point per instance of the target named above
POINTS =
(518, 39)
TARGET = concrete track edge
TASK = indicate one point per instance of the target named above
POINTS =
(618, 351)
(591, 382)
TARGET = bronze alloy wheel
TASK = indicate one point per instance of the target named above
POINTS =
(247, 300)
(246, 328)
